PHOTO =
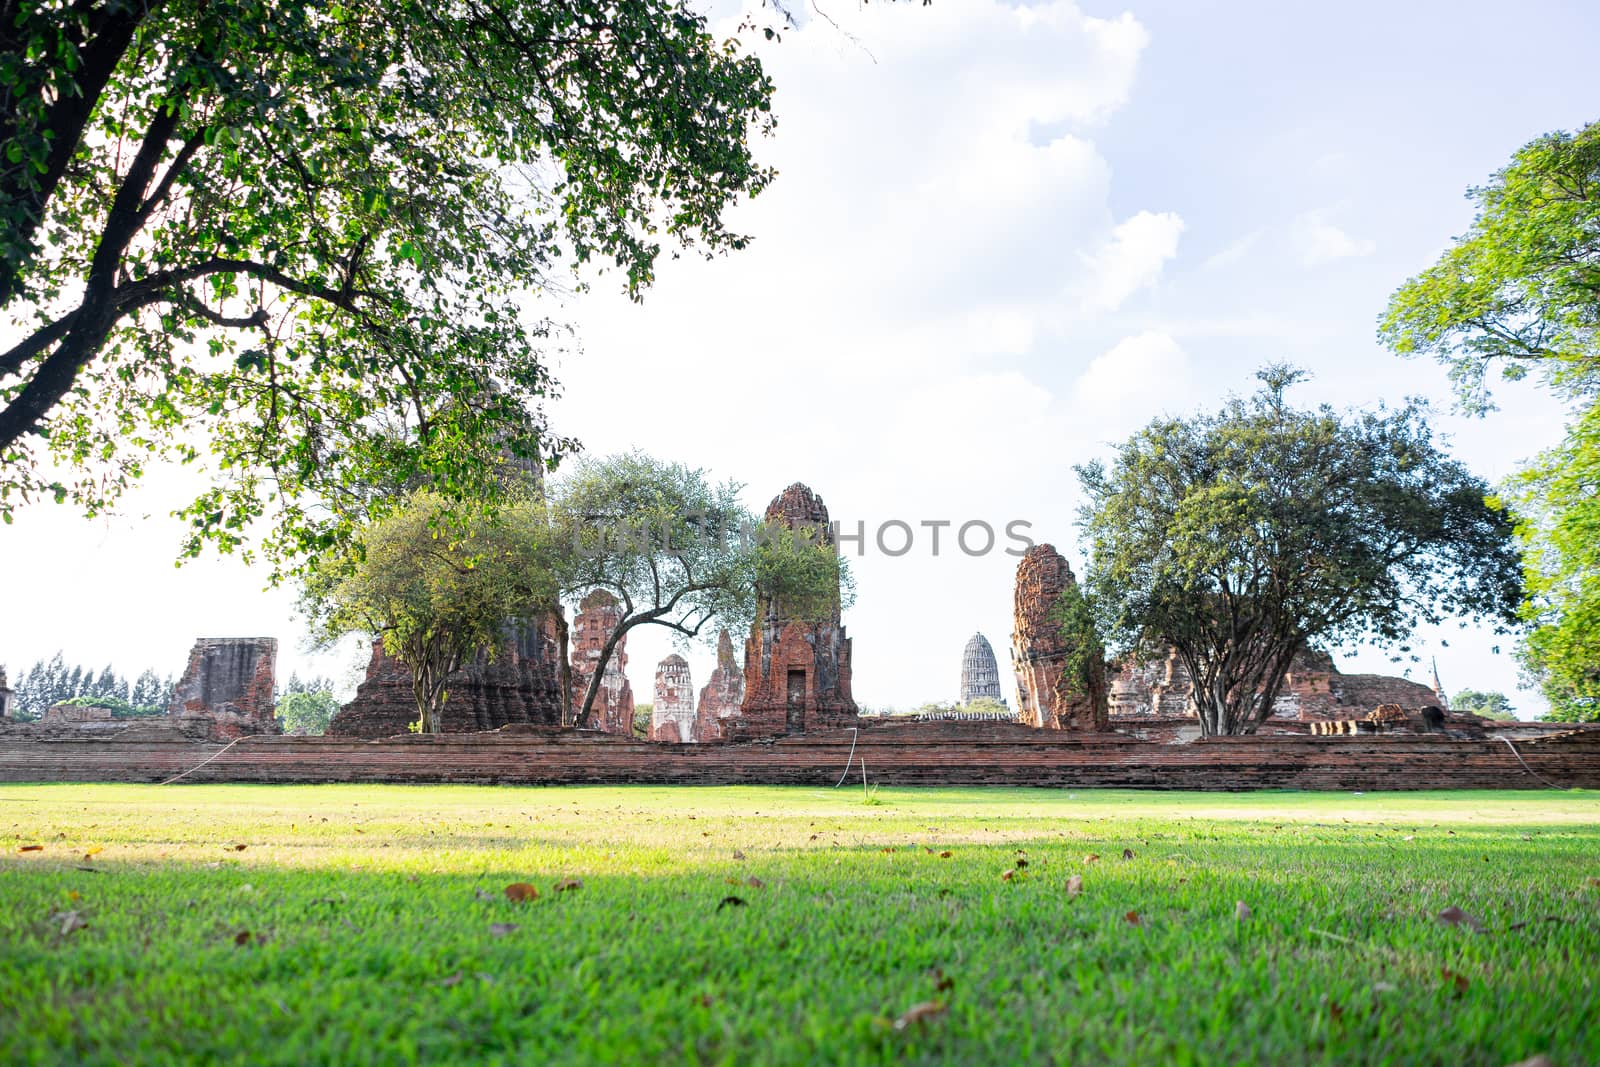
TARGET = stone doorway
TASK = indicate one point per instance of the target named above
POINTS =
(797, 701)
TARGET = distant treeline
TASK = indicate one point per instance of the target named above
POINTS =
(51, 682)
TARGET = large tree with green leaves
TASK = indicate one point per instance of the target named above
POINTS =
(301, 235)
(438, 586)
(682, 552)
(1240, 536)
(1521, 291)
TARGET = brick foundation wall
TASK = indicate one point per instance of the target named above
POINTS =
(895, 755)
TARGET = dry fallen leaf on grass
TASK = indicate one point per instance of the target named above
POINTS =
(501, 929)
(242, 937)
(1075, 885)
(1454, 916)
(566, 885)
(1459, 981)
(754, 883)
(738, 855)
(1132, 919)
(95, 851)
(1093, 857)
(30, 848)
(1127, 853)
(238, 848)
(1540, 1060)
(1241, 910)
(730, 902)
(451, 980)
(70, 921)
(521, 892)
(481, 894)
(946, 854)
(942, 983)
(925, 1012)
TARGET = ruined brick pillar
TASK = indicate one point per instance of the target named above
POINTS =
(796, 671)
(672, 718)
(1049, 695)
(230, 681)
(723, 696)
(8, 696)
(598, 615)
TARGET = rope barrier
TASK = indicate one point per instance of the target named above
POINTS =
(205, 761)
(855, 732)
(1527, 768)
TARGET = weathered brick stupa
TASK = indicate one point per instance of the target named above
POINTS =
(229, 681)
(520, 685)
(723, 695)
(1313, 689)
(980, 672)
(672, 718)
(796, 671)
(598, 615)
(1048, 695)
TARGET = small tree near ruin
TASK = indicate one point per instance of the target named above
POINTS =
(437, 587)
(678, 551)
(1237, 537)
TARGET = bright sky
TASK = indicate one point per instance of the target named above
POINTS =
(1004, 236)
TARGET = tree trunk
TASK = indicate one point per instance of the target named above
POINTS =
(593, 689)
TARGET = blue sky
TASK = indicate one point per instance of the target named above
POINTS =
(1003, 236)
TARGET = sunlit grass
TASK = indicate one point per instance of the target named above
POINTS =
(378, 930)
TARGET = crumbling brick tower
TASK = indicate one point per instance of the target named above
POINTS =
(1048, 695)
(796, 671)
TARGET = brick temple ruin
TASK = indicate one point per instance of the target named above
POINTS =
(796, 670)
(672, 713)
(1313, 689)
(519, 685)
(723, 696)
(598, 615)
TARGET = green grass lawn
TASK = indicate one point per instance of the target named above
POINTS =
(348, 924)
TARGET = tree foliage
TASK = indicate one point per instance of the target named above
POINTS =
(1239, 536)
(1489, 705)
(53, 681)
(681, 552)
(437, 587)
(1557, 498)
(303, 234)
(306, 712)
(1521, 289)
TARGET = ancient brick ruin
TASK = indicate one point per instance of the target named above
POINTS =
(796, 670)
(229, 682)
(8, 696)
(672, 717)
(520, 684)
(1313, 689)
(980, 672)
(723, 696)
(598, 615)
(1049, 695)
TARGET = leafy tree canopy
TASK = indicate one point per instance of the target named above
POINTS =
(306, 712)
(679, 551)
(438, 587)
(1238, 536)
(1521, 288)
(301, 235)
(1558, 510)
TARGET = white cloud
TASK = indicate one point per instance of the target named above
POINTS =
(1131, 259)
(1317, 241)
(1130, 382)
(1233, 252)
